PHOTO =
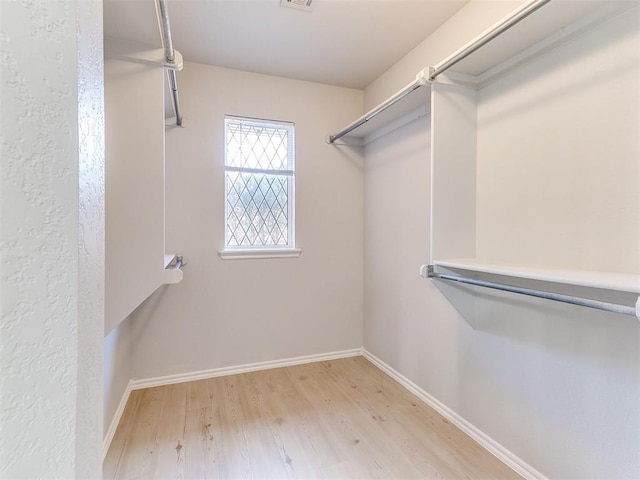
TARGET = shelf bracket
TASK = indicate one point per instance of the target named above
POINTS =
(423, 76)
(427, 271)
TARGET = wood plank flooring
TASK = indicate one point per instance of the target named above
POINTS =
(332, 420)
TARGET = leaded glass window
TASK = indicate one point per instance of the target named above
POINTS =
(259, 171)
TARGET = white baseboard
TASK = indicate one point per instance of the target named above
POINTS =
(212, 373)
(116, 420)
(505, 456)
(250, 367)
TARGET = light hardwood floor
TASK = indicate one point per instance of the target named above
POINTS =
(336, 419)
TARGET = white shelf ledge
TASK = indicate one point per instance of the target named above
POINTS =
(418, 100)
(253, 253)
(622, 282)
(167, 260)
(554, 23)
(172, 275)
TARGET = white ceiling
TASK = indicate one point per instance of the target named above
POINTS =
(341, 42)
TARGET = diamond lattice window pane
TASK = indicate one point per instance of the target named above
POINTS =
(259, 146)
(257, 209)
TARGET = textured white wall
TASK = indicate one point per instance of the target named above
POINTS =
(51, 238)
(555, 384)
(91, 241)
(232, 312)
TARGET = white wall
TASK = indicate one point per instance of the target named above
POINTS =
(134, 109)
(397, 307)
(232, 312)
(563, 149)
(555, 384)
(52, 239)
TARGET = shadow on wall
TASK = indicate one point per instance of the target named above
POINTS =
(552, 326)
(142, 316)
(349, 150)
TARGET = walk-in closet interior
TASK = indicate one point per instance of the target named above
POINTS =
(465, 238)
(475, 234)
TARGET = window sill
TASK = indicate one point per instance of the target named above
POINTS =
(255, 253)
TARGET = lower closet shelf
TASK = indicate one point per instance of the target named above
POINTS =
(622, 282)
(611, 281)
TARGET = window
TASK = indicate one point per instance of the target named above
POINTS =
(259, 185)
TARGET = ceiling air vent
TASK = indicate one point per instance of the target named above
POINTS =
(304, 5)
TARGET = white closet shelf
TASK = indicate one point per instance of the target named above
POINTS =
(622, 282)
(415, 96)
(554, 23)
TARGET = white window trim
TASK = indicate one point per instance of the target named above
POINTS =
(262, 251)
(255, 253)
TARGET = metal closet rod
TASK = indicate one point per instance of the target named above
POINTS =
(163, 7)
(583, 302)
(428, 75)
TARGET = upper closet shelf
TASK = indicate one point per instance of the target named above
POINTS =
(511, 42)
(506, 44)
(410, 98)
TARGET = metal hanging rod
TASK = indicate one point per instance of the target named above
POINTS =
(163, 9)
(583, 302)
(486, 37)
(421, 80)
